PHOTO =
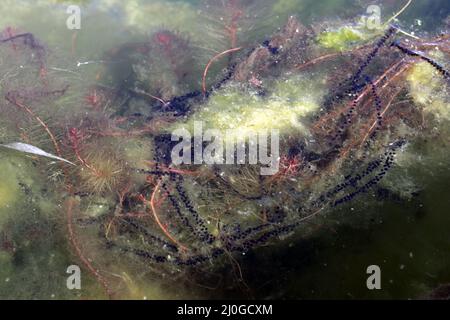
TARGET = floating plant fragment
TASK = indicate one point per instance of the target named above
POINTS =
(342, 114)
(27, 148)
(343, 38)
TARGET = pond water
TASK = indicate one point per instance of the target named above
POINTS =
(401, 225)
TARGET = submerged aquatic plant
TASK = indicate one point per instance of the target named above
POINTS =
(338, 142)
(26, 148)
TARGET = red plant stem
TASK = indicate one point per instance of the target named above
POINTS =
(232, 29)
(387, 106)
(30, 41)
(74, 40)
(146, 129)
(381, 78)
(158, 221)
(73, 136)
(72, 237)
(178, 171)
(362, 95)
(397, 74)
(374, 124)
(158, 203)
(38, 119)
(205, 73)
(183, 172)
(150, 95)
(80, 254)
(75, 245)
(347, 149)
(317, 60)
(330, 56)
(10, 35)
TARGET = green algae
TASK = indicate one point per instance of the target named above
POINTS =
(30, 233)
(12, 184)
(9, 188)
(428, 89)
(343, 38)
(290, 102)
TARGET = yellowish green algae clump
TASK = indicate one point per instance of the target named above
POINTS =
(428, 90)
(20, 185)
(290, 102)
(341, 38)
(9, 189)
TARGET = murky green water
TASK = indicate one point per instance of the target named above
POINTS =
(407, 237)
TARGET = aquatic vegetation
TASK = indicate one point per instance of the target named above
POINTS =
(9, 191)
(172, 14)
(342, 38)
(102, 172)
(235, 23)
(26, 148)
(231, 107)
(429, 90)
(344, 113)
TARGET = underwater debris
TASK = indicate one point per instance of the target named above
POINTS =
(234, 23)
(340, 137)
(159, 68)
(26, 148)
(205, 73)
(413, 53)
